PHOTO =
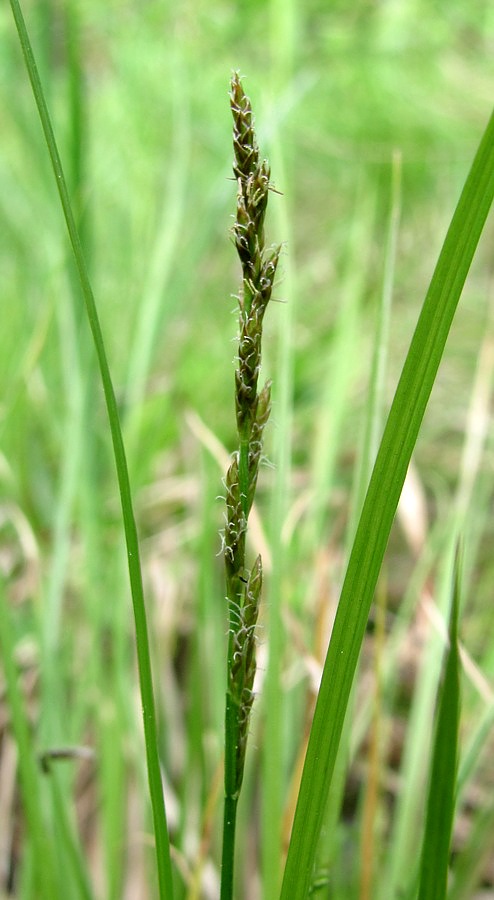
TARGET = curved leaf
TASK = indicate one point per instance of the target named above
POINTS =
(379, 508)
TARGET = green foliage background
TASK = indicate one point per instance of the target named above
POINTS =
(138, 94)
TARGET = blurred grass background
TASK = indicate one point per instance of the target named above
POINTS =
(347, 98)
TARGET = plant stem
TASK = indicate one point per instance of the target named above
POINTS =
(228, 853)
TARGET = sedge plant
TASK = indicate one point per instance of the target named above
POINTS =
(243, 584)
(244, 579)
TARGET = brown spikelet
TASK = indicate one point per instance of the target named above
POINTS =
(258, 267)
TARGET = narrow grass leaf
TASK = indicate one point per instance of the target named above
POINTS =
(474, 857)
(75, 876)
(375, 407)
(44, 874)
(133, 556)
(442, 790)
(379, 508)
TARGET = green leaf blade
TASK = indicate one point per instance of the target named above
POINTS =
(442, 790)
(379, 508)
(162, 842)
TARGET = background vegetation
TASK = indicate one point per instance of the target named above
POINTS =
(370, 115)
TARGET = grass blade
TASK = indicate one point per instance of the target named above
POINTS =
(133, 556)
(474, 856)
(45, 875)
(441, 800)
(375, 522)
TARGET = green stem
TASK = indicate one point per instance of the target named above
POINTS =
(231, 736)
(133, 557)
(232, 727)
(227, 860)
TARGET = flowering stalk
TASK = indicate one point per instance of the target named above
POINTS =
(243, 586)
